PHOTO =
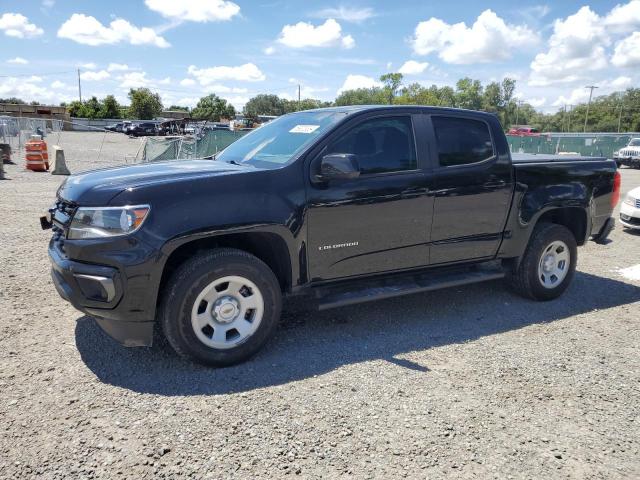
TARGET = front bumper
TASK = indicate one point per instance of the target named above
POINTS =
(630, 216)
(99, 291)
(629, 161)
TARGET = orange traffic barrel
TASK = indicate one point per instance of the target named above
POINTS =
(37, 157)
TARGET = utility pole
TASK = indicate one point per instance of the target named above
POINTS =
(79, 87)
(298, 96)
(569, 124)
(586, 117)
(619, 117)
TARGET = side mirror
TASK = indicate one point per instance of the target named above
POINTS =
(338, 166)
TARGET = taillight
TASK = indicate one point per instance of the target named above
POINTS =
(617, 183)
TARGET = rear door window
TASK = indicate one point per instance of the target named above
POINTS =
(461, 141)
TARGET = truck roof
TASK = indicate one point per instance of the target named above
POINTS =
(361, 108)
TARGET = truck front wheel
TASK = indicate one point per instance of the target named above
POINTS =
(548, 264)
(220, 307)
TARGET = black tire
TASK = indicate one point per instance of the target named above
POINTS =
(191, 278)
(525, 279)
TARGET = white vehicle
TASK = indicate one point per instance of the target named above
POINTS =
(630, 209)
(629, 155)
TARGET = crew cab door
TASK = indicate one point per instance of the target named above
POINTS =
(379, 221)
(473, 181)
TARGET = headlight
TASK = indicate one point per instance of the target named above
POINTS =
(629, 200)
(616, 153)
(98, 222)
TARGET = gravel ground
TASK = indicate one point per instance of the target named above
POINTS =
(470, 382)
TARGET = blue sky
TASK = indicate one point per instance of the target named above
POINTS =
(187, 48)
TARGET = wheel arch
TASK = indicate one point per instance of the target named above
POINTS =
(269, 247)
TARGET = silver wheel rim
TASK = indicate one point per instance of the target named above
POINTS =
(554, 264)
(227, 312)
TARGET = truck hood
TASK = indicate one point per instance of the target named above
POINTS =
(98, 187)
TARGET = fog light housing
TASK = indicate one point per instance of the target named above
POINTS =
(96, 288)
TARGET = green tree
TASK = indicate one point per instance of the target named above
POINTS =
(178, 108)
(392, 82)
(145, 105)
(213, 108)
(13, 100)
(91, 108)
(264, 105)
(110, 107)
(304, 104)
(75, 109)
(362, 96)
(468, 94)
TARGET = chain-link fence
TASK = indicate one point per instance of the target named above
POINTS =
(587, 144)
(16, 131)
(201, 145)
(84, 150)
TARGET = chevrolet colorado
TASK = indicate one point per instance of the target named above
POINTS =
(344, 204)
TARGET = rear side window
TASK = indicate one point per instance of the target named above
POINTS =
(461, 141)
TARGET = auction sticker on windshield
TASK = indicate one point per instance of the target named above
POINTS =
(304, 129)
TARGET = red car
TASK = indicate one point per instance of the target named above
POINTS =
(524, 132)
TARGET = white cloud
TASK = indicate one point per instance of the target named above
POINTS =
(348, 41)
(48, 3)
(135, 80)
(57, 84)
(88, 66)
(94, 76)
(303, 35)
(269, 50)
(353, 82)
(248, 72)
(117, 67)
(489, 39)
(627, 52)
(30, 88)
(17, 25)
(577, 95)
(195, 10)
(18, 61)
(355, 15)
(411, 67)
(187, 82)
(621, 83)
(624, 17)
(576, 46)
(87, 30)
(537, 102)
(604, 87)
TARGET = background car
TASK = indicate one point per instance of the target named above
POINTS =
(630, 210)
(144, 129)
(114, 127)
(524, 132)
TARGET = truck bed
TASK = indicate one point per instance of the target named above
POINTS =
(547, 157)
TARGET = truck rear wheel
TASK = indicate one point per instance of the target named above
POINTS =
(220, 307)
(548, 264)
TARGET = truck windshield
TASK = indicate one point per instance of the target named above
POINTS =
(276, 143)
(635, 142)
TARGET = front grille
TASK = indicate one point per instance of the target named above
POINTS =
(637, 202)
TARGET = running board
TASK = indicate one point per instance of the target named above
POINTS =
(369, 290)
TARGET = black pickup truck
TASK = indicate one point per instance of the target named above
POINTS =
(343, 204)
